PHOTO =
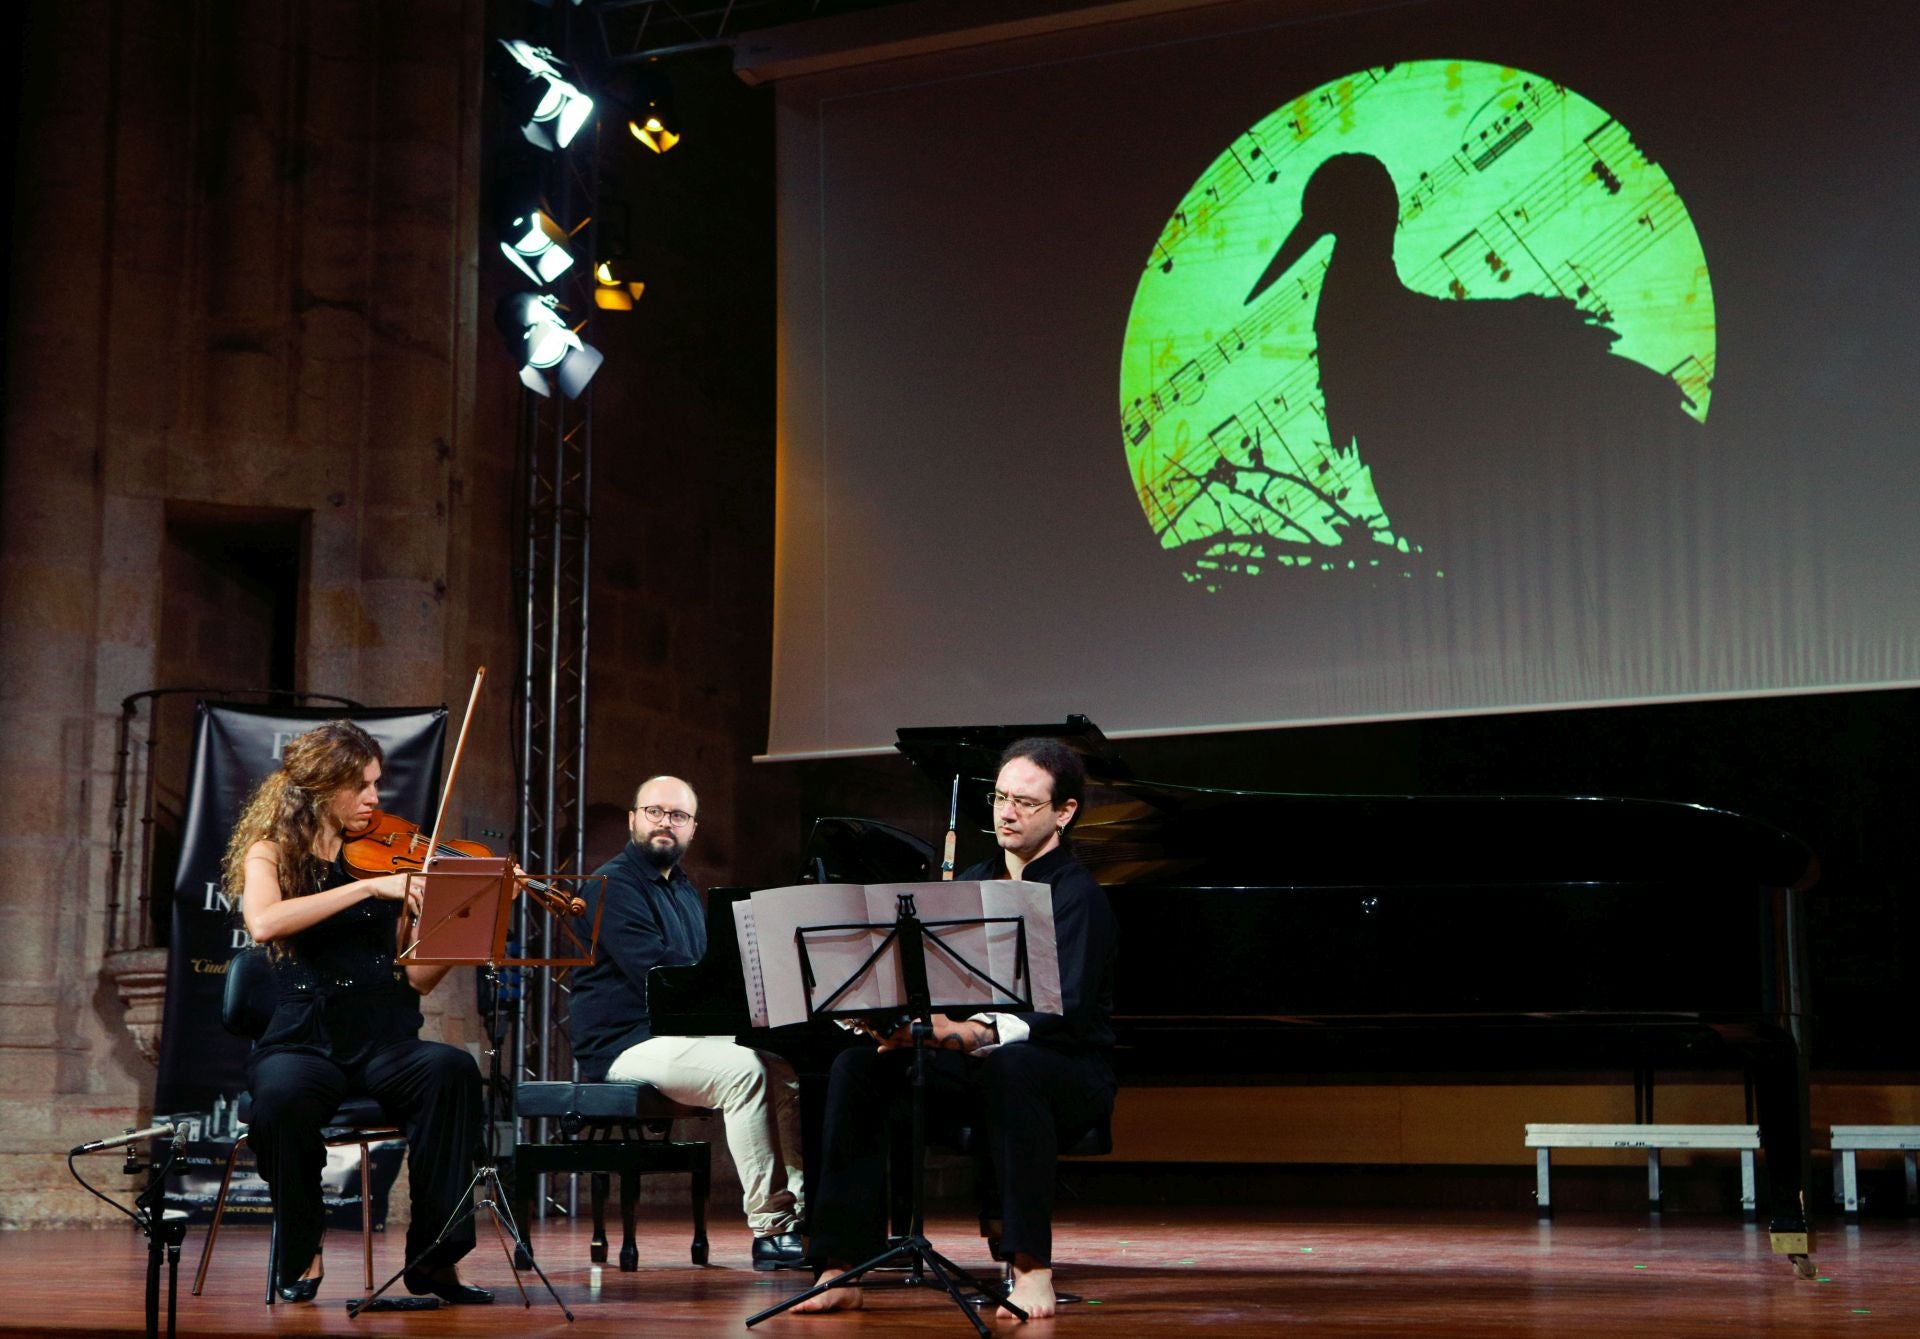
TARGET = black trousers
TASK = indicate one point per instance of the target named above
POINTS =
(1024, 1098)
(430, 1089)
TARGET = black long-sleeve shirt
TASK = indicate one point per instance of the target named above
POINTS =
(653, 918)
(1088, 943)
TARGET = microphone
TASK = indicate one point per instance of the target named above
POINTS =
(160, 1131)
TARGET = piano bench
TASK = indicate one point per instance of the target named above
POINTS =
(606, 1128)
(1742, 1138)
(1848, 1140)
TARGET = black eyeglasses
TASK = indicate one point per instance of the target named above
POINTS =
(673, 818)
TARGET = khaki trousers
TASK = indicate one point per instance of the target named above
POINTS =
(759, 1099)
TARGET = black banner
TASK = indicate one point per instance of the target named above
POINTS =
(234, 748)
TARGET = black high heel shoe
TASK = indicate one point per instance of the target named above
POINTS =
(303, 1290)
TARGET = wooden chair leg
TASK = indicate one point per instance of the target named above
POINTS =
(597, 1249)
(219, 1210)
(629, 1197)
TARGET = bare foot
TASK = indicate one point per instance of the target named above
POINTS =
(1032, 1290)
(833, 1299)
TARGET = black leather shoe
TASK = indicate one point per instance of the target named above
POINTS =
(445, 1285)
(300, 1290)
(783, 1250)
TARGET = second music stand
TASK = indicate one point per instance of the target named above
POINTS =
(908, 937)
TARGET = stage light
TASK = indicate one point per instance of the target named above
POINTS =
(653, 121)
(532, 240)
(653, 132)
(550, 110)
(540, 341)
(612, 289)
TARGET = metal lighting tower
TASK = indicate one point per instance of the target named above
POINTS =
(556, 455)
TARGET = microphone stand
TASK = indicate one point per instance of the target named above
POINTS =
(165, 1229)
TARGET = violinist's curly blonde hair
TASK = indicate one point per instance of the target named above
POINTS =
(286, 808)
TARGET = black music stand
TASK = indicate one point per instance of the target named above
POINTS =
(466, 918)
(908, 937)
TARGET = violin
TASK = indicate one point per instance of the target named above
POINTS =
(389, 844)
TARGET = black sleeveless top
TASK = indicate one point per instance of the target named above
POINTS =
(343, 995)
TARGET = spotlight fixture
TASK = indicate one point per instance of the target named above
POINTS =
(652, 120)
(532, 240)
(540, 341)
(612, 290)
(550, 110)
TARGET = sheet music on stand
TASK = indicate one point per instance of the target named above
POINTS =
(1006, 931)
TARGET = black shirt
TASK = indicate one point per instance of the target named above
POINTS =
(1088, 942)
(342, 992)
(653, 918)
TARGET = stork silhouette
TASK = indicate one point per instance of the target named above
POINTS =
(1471, 414)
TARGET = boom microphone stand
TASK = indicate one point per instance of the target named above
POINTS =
(165, 1229)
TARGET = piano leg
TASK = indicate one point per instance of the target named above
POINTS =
(1779, 1071)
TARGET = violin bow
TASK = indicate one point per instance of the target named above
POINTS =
(453, 768)
(556, 901)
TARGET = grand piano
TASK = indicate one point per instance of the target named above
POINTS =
(1281, 933)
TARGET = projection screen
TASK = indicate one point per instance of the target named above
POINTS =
(1265, 363)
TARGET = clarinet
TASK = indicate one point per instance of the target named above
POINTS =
(953, 829)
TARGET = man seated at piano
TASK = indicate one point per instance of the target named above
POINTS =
(1028, 1080)
(653, 918)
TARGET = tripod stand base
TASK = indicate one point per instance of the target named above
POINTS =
(917, 1254)
(356, 1308)
(482, 1195)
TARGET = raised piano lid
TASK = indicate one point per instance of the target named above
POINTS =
(1138, 832)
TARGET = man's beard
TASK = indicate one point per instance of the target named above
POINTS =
(663, 857)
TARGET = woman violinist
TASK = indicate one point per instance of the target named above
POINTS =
(347, 1020)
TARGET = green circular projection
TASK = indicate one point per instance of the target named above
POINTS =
(1507, 184)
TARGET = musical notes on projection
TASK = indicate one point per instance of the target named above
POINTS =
(1508, 183)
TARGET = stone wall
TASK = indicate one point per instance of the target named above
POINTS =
(250, 266)
(244, 274)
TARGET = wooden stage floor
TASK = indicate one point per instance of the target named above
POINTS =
(1145, 1272)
